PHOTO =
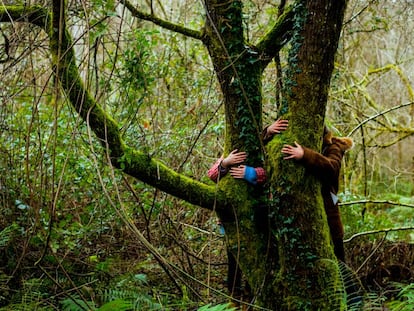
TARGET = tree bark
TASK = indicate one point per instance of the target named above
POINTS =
(307, 265)
(298, 272)
(239, 69)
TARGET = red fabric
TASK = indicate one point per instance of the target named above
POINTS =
(261, 175)
(216, 172)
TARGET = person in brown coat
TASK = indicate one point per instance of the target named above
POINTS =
(326, 167)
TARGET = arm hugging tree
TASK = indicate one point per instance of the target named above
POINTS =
(282, 243)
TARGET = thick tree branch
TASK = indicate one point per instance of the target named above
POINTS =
(277, 37)
(130, 161)
(35, 14)
(156, 174)
(162, 23)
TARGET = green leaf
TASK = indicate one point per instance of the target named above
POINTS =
(117, 304)
(220, 307)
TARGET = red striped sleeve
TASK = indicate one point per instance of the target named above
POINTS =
(213, 172)
(261, 175)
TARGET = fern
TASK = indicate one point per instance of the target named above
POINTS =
(353, 289)
(220, 307)
(136, 300)
(7, 234)
(334, 288)
(146, 303)
(350, 293)
(118, 305)
(133, 291)
(77, 304)
(30, 297)
(112, 294)
(405, 299)
(4, 288)
(355, 296)
(24, 307)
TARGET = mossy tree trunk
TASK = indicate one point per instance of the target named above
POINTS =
(239, 70)
(307, 265)
(300, 270)
(282, 243)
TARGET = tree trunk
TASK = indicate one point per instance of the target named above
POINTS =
(308, 270)
(283, 244)
(239, 72)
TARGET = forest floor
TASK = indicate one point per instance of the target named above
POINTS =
(115, 264)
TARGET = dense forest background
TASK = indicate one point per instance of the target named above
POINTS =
(76, 234)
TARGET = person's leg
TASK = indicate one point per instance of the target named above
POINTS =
(339, 249)
(233, 275)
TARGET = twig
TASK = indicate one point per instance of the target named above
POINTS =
(386, 231)
(378, 115)
(358, 13)
(376, 202)
(372, 253)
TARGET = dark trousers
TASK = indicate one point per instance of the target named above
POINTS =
(233, 275)
(339, 249)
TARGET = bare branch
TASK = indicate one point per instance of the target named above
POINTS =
(378, 115)
(386, 231)
(278, 36)
(6, 47)
(404, 133)
(376, 202)
(36, 15)
(162, 23)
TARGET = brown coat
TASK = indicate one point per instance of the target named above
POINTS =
(326, 167)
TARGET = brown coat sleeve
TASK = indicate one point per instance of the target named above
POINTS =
(326, 166)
